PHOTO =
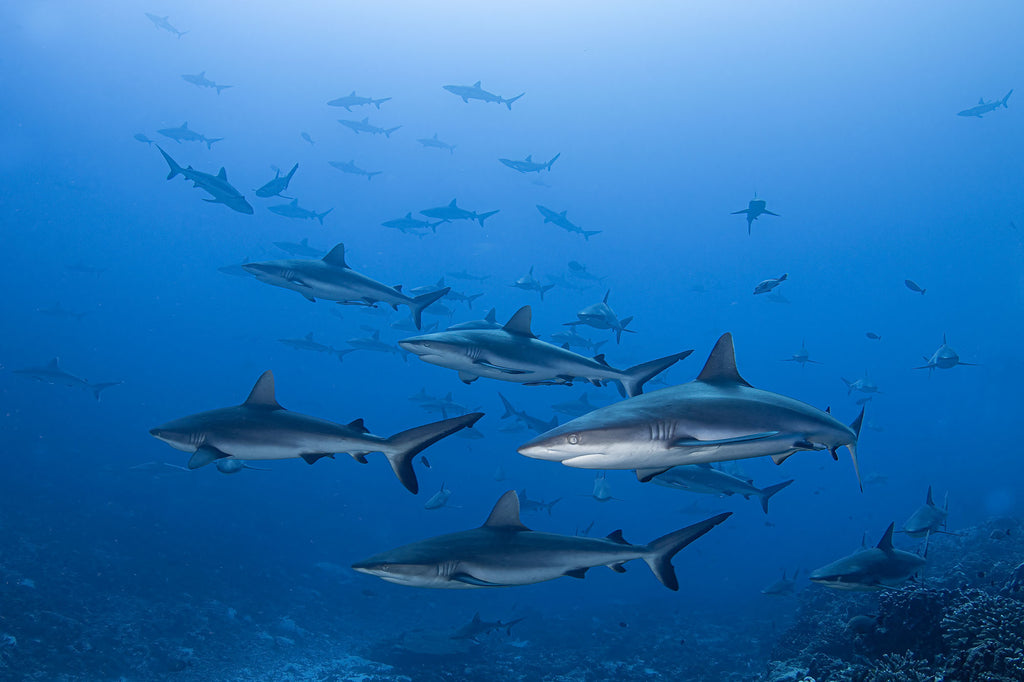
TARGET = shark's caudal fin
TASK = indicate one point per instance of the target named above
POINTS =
(634, 378)
(222, 87)
(543, 290)
(509, 410)
(209, 143)
(508, 102)
(369, 176)
(852, 447)
(418, 304)
(321, 216)
(1003, 101)
(587, 234)
(766, 493)
(175, 168)
(554, 158)
(99, 388)
(667, 546)
(484, 216)
(387, 132)
(401, 448)
(289, 179)
(622, 328)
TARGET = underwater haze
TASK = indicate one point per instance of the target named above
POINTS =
(836, 186)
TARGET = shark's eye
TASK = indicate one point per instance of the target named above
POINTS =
(573, 438)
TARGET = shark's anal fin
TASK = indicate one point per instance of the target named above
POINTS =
(312, 457)
(205, 455)
(578, 573)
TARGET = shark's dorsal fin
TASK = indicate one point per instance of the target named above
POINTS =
(304, 241)
(477, 84)
(408, 216)
(606, 295)
(492, 315)
(616, 537)
(336, 256)
(366, 120)
(565, 346)
(476, 617)
(53, 364)
(262, 394)
(309, 336)
(184, 125)
(601, 360)
(505, 514)
(358, 425)
(223, 174)
(376, 335)
(452, 204)
(721, 365)
(928, 500)
(885, 544)
(519, 324)
(449, 396)
(202, 74)
(353, 94)
(529, 158)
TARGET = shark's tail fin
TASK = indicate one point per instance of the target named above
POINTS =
(554, 158)
(221, 87)
(667, 546)
(99, 388)
(544, 290)
(555, 501)
(587, 234)
(470, 299)
(369, 176)
(849, 385)
(181, 33)
(634, 378)
(418, 304)
(175, 168)
(209, 143)
(403, 447)
(378, 102)
(622, 328)
(1003, 101)
(508, 102)
(484, 216)
(291, 173)
(508, 625)
(852, 447)
(388, 131)
(321, 216)
(766, 493)
(509, 410)
(342, 353)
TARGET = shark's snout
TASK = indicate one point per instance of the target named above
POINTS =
(156, 432)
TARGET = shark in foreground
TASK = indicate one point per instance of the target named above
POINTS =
(715, 418)
(983, 107)
(927, 519)
(474, 91)
(52, 373)
(217, 186)
(200, 80)
(260, 429)
(871, 569)
(504, 553)
(331, 279)
(514, 354)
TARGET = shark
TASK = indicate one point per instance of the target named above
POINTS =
(217, 186)
(539, 505)
(944, 358)
(870, 569)
(580, 271)
(514, 354)
(704, 478)
(802, 357)
(300, 248)
(533, 423)
(575, 408)
(373, 344)
(463, 297)
(407, 324)
(927, 519)
(331, 279)
(765, 286)
(410, 225)
(503, 553)
(476, 628)
(438, 499)
(185, 134)
(489, 321)
(475, 91)
(754, 210)
(260, 429)
(528, 165)
(862, 385)
(452, 212)
(354, 100)
(717, 417)
(602, 491)
(277, 184)
(307, 343)
(293, 210)
(308, 138)
(563, 222)
(530, 283)
(443, 405)
(52, 373)
(783, 587)
(574, 338)
(200, 80)
(365, 126)
(164, 24)
(351, 168)
(983, 107)
(915, 287)
(601, 316)
(436, 143)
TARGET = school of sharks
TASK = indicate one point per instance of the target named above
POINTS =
(550, 371)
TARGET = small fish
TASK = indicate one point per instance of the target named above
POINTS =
(914, 286)
(307, 138)
(873, 336)
(424, 461)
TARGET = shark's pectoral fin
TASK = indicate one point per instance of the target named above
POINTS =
(779, 459)
(205, 455)
(645, 475)
(467, 378)
(312, 457)
(475, 582)
(578, 573)
(359, 456)
(503, 370)
(687, 442)
(618, 568)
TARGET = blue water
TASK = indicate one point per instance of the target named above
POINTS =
(667, 119)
